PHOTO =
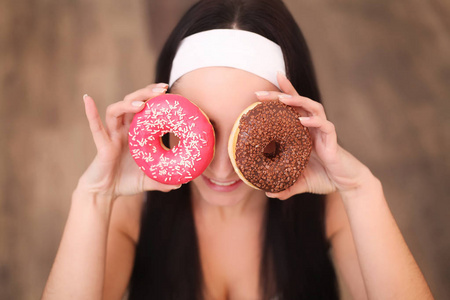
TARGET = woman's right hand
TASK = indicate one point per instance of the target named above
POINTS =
(113, 171)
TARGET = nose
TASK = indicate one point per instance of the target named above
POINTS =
(221, 167)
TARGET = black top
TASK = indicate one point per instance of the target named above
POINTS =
(295, 262)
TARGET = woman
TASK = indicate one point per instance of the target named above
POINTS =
(216, 238)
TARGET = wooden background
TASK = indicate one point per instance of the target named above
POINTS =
(383, 68)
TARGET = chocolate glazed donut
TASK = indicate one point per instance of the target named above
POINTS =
(269, 147)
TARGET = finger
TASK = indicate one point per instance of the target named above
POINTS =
(121, 113)
(127, 119)
(299, 187)
(146, 93)
(115, 114)
(99, 133)
(283, 195)
(273, 95)
(324, 126)
(313, 108)
(292, 97)
(285, 85)
(267, 95)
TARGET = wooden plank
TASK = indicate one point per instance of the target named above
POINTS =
(383, 69)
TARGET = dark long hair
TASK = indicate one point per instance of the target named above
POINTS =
(295, 260)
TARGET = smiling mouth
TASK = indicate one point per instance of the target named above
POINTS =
(223, 183)
(222, 186)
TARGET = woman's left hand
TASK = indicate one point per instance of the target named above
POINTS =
(330, 168)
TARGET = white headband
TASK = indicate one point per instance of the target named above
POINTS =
(234, 48)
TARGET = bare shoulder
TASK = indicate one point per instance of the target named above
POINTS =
(335, 215)
(126, 215)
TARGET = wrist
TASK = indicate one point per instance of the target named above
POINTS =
(366, 185)
(103, 201)
(100, 189)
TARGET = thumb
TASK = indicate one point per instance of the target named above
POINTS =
(299, 187)
(153, 185)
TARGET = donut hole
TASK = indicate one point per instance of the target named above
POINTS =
(272, 149)
(169, 140)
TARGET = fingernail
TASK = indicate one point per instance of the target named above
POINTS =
(284, 96)
(84, 96)
(162, 84)
(137, 103)
(270, 195)
(159, 90)
(282, 73)
(304, 118)
(262, 93)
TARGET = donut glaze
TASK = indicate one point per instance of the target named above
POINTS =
(269, 147)
(194, 151)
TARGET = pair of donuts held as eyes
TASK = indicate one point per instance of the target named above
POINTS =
(268, 146)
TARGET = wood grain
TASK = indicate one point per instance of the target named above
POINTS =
(383, 68)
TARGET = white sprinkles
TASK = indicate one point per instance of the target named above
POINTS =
(161, 117)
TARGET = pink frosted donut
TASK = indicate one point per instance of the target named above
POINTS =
(185, 161)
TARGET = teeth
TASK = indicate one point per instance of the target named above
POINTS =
(223, 183)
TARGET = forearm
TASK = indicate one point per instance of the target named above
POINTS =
(388, 267)
(78, 270)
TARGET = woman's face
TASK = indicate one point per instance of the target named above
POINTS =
(222, 93)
